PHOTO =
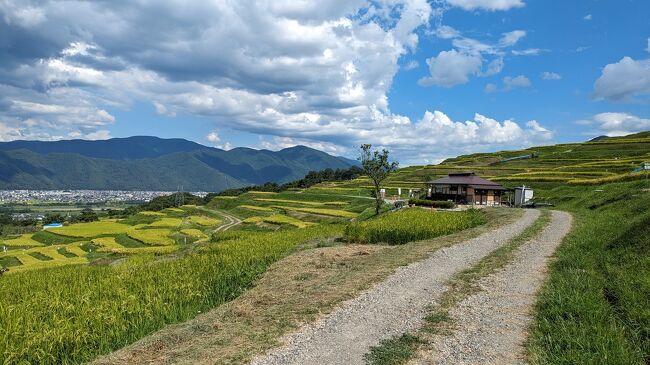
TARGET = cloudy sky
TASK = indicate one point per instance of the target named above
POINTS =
(426, 79)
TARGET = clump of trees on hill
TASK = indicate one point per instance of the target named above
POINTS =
(312, 178)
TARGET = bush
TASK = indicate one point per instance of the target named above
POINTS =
(408, 225)
(432, 203)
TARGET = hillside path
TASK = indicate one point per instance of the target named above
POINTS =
(392, 307)
(229, 222)
(229, 219)
(491, 326)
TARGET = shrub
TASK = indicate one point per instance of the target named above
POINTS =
(432, 203)
(411, 225)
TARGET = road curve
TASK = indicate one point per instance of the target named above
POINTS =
(229, 222)
(392, 307)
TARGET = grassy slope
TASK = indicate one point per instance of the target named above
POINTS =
(553, 164)
(595, 307)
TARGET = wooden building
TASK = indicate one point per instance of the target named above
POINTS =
(466, 188)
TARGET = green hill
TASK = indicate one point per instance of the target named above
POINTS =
(608, 159)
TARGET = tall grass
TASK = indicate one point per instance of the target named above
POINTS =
(73, 314)
(411, 225)
(595, 307)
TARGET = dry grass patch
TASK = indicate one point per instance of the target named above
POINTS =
(294, 291)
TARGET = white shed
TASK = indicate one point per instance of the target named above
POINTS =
(523, 195)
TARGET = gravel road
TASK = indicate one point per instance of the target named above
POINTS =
(491, 326)
(392, 307)
(230, 221)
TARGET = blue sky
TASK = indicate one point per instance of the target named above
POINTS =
(425, 79)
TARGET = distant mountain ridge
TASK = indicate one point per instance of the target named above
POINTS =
(151, 163)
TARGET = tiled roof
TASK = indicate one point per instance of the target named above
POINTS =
(467, 178)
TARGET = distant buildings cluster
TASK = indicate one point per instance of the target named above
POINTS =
(80, 196)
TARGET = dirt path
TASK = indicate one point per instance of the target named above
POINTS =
(491, 326)
(229, 222)
(392, 307)
(229, 219)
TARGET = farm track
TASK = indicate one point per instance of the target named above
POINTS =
(491, 326)
(230, 221)
(392, 307)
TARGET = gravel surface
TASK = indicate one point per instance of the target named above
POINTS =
(392, 307)
(491, 326)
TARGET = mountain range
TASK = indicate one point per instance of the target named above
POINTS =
(151, 163)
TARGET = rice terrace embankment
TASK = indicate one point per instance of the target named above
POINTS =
(310, 275)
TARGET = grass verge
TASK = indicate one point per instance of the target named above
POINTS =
(595, 307)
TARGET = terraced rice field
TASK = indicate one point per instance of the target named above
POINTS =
(204, 221)
(25, 240)
(193, 232)
(153, 236)
(150, 213)
(411, 224)
(167, 222)
(39, 314)
(93, 229)
(256, 208)
(72, 244)
(279, 219)
(321, 211)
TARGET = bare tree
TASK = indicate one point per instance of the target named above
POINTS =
(376, 166)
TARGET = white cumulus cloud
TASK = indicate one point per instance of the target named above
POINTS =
(454, 67)
(319, 73)
(213, 137)
(451, 68)
(617, 124)
(510, 82)
(487, 4)
(623, 81)
(547, 75)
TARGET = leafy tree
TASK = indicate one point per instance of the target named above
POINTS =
(53, 218)
(87, 215)
(377, 167)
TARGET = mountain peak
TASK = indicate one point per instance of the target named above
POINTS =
(151, 163)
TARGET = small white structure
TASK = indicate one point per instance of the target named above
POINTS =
(646, 166)
(399, 191)
(523, 195)
(382, 193)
